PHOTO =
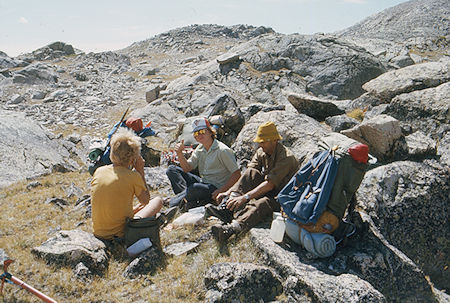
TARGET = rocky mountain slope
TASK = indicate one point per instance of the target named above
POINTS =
(420, 26)
(393, 67)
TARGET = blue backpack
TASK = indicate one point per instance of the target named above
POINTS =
(306, 195)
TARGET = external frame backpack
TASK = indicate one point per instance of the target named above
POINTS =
(353, 164)
(329, 180)
(306, 195)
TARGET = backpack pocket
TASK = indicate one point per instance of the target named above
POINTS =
(136, 229)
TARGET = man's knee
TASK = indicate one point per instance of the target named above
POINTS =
(191, 193)
(172, 170)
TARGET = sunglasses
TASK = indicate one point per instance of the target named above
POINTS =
(200, 132)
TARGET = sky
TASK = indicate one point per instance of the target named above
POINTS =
(107, 25)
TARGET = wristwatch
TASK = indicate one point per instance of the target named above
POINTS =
(247, 197)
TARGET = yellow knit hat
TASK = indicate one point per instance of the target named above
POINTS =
(267, 132)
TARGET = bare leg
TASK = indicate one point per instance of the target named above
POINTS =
(151, 209)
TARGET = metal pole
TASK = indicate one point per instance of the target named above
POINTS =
(33, 290)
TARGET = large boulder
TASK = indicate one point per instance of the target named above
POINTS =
(367, 269)
(341, 122)
(36, 152)
(383, 135)
(420, 146)
(165, 119)
(233, 119)
(443, 149)
(308, 282)
(70, 247)
(147, 262)
(35, 73)
(8, 62)
(408, 79)
(300, 133)
(426, 110)
(409, 203)
(316, 108)
(53, 50)
(330, 66)
(243, 282)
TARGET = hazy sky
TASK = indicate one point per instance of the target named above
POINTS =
(100, 25)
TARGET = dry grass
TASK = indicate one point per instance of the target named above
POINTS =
(357, 114)
(27, 222)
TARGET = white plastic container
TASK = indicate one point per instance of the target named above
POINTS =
(139, 246)
(197, 210)
(278, 228)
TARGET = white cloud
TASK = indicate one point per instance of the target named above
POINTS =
(23, 20)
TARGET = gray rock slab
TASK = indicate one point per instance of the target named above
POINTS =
(145, 263)
(426, 110)
(316, 108)
(35, 73)
(70, 247)
(227, 58)
(341, 122)
(408, 79)
(241, 282)
(300, 133)
(178, 249)
(307, 279)
(420, 145)
(382, 134)
(409, 204)
(329, 66)
(28, 149)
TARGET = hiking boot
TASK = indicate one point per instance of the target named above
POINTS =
(224, 214)
(169, 213)
(222, 232)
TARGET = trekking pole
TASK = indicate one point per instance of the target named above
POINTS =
(118, 125)
(7, 277)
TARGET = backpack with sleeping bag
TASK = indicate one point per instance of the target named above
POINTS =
(316, 198)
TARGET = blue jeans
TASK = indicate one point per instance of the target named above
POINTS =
(188, 186)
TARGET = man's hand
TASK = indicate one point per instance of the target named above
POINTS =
(139, 163)
(179, 147)
(235, 203)
(220, 196)
(215, 194)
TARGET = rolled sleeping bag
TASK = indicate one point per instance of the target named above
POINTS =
(319, 244)
(307, 241)
(324, 244)
(293, 231)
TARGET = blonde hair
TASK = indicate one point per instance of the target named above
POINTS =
(125, 145)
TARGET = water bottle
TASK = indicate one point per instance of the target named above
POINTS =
(197, 210)
(278, 228)
(139, 247)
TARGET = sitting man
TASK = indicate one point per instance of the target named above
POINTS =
(216, 165)
(252, 198)
(114, 186)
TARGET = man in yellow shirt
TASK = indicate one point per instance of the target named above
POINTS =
(114, 187)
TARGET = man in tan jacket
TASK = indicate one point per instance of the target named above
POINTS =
(252, 198)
